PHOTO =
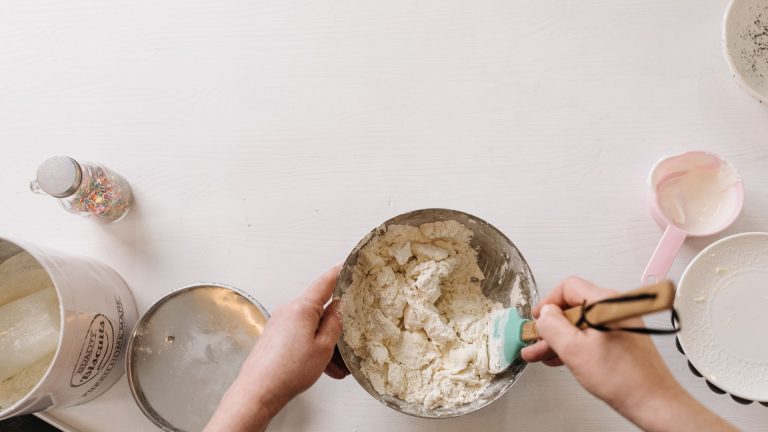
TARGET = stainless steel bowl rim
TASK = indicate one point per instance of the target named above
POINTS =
(394, 403)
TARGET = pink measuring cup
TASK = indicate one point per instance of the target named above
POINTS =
(694, 194)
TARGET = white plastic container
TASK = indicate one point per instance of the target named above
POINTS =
(97, 315)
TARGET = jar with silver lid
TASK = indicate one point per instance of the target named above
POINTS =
(84, 188)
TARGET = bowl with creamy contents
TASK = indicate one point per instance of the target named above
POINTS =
(418, 291)
(694, 194)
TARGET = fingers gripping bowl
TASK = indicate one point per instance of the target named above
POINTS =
(505, 276)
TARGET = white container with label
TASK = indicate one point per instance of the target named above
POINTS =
(92, 313)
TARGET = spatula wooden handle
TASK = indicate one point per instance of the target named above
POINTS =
(605, 313)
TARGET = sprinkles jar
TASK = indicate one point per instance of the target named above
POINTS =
(84, 188)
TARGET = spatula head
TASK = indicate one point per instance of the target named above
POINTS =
(504, 341)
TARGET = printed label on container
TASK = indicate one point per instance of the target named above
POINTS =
(118, 346)
(96, 352)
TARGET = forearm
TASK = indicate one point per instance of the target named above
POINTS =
(673, 410)
(240, 411)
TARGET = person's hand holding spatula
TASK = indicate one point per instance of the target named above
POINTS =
(623, 369)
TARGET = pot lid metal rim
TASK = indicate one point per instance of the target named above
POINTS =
(136, 391)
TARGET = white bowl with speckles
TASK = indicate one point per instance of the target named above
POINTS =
(745, 43)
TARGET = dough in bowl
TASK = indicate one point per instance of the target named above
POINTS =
(416, 316)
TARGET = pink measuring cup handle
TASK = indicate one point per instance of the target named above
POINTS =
(664, 255)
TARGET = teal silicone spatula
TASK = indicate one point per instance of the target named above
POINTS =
(508, 332)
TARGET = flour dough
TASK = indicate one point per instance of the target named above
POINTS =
(416, 316)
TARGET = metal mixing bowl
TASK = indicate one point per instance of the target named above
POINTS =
(500, 261)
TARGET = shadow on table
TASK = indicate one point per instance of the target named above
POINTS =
(28, 423)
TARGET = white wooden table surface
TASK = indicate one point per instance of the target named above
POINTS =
(264, 138)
